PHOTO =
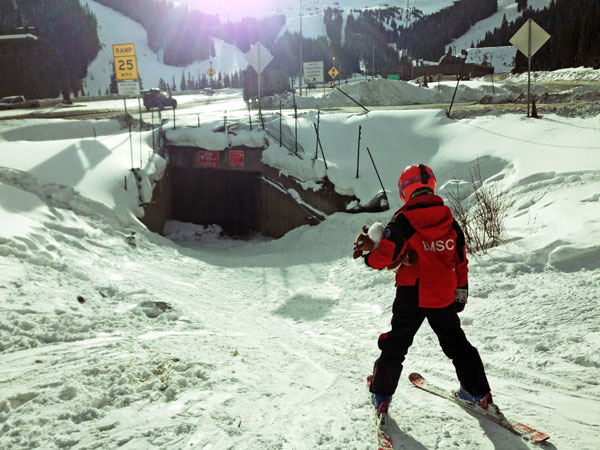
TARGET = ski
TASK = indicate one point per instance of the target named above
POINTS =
(518, 428)
(384, 441)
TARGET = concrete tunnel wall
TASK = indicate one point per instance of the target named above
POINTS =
(234, 196)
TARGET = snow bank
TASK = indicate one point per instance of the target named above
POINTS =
(382, 92)
(82, 166)
(214, 138)
(520, 165)
(567, 75)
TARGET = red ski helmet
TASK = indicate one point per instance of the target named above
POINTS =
(413, 178)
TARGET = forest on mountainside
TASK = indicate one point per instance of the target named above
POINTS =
(574, 28)
(192, 40)
(67, 43)
(427, 38)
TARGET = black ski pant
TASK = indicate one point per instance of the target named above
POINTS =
(406, 320)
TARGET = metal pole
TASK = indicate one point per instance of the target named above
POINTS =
(320, 146)
(373, 67)
(226, 132)
(140, 110)
(262, 120)
(258, 73)
(280, 119)
(377, 172)
(152, 121)
(529, 67)
(295, 121)
(130, 146)
(160, 130)
(456, 88)
(249, 115)
(317, 141)
(301, 56)
(358, 151)
(338, 88)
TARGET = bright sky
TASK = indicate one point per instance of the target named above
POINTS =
(234, 9)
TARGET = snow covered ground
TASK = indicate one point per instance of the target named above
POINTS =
(115, 337)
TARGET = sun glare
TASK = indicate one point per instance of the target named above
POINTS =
(236, 9)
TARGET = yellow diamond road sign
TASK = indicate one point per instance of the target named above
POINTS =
(333, 72)
(529, 38)
(125, 62)
(211, 72)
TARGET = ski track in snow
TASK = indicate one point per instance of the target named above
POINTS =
(115, 337)
(118, 371)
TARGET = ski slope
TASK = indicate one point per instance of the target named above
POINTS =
(115, 28)
(115, 337)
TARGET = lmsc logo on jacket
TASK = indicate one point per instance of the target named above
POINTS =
(439, 246)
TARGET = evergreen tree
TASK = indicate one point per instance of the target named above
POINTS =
(573, 26)
(113, 88)
(38, 70)
(203, 81)
(182, 83)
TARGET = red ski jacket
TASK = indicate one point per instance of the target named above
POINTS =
(424, 224)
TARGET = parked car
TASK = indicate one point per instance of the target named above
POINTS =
(155, 98)
(17, 101)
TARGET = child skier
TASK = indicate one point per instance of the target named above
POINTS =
(426, 247)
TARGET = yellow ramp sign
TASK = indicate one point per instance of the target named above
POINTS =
(125, 62)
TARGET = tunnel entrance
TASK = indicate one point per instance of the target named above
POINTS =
(230, 199)
(237, 192)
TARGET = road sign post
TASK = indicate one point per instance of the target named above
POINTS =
(211, 73)
(259, 58)
(313, 72)
(129, 88)
(333, 72)
(126, 73)
(125, 62)
(528, 40)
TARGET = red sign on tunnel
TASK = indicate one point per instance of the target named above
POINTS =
(236, 158)
(208, 159)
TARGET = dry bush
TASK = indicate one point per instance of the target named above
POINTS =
(483, 220)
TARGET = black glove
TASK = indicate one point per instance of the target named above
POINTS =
(461, 298)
